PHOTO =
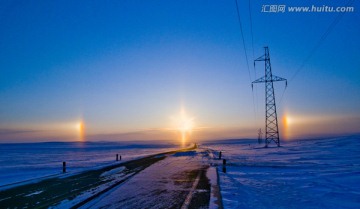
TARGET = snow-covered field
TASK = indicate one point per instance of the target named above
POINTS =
(19, 162)
(322, 173)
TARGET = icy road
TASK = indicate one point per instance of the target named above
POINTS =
(174, 179)
(178, 181)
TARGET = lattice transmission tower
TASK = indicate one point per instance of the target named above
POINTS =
(271, 121)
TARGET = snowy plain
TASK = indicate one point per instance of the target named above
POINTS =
(321, 173)
(26, 161)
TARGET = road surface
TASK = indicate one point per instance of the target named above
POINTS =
(178, 179)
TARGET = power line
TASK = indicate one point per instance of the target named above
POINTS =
(243, 40)
(253, 53)
(322, 39)
(282, 96)
(246, 56)
(252, 34)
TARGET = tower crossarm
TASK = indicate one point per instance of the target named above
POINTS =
(262, 58)
(277, 78)
(260, 80)
(274, 78)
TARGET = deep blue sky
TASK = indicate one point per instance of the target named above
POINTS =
(130, 66)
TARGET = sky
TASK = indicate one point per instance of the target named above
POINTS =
(147, 70)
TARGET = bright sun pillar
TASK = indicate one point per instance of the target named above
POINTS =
(287, 120)
(184, 124)
(80, 126)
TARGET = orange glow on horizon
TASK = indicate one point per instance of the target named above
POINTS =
(287, 120)
(81, 129)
